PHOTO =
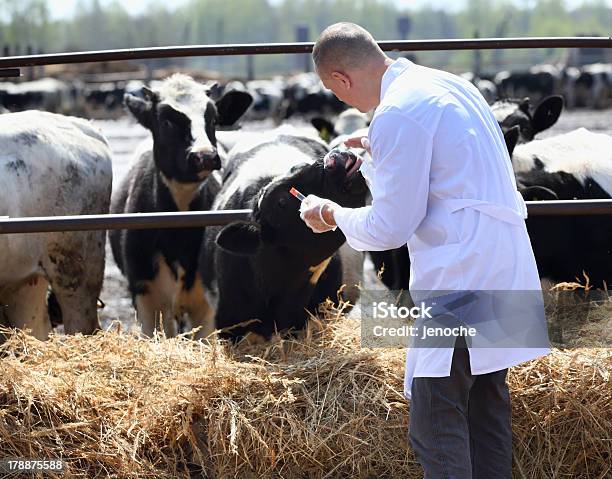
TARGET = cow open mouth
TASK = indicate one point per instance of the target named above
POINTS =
(343, 159)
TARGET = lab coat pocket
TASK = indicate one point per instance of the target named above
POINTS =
(436, 268)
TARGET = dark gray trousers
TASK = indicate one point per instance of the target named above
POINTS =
(460, 426)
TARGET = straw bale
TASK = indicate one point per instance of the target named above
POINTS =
(116, 405)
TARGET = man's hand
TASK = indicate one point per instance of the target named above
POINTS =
(358, 142)
(317, 213)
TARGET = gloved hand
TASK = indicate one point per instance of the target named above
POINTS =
(311, 211)
(358, 142)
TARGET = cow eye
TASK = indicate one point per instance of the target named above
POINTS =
(168, 124)
(282, 202)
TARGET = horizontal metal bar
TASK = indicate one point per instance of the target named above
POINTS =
(189, 219)
(10, 73)
(303, 47)
(569, 207)
(192, 219)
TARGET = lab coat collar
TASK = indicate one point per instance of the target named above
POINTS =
(393, 71)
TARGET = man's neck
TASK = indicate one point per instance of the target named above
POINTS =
(379, 73)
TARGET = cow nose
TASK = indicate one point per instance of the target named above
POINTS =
(205, 160)
(332, 160)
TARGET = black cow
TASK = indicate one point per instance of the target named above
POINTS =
(572, 166)
(273, 268)
(173, 173)
(391, 266)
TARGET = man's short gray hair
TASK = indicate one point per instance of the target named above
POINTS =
(344, 46)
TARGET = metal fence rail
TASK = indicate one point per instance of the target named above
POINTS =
(192, 219)
(301, 47)
(189, 219)
(569, 207)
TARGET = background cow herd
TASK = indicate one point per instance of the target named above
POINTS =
(270, 272)
(280, 98)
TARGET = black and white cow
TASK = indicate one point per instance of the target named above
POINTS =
(531, 121)
(47, 94)
(593, 87)
(172, 172)
(273, 268)
(305, 96)
(486, 87)
(52, 165)
(267, 98)
(537, 82)
(573, 166)
(345, 124)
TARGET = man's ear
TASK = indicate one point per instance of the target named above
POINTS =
(231, 106)
(241, 238)
(141, 109)
(342, 78)
(511, 137)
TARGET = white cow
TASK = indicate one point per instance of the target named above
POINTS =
(52, 165)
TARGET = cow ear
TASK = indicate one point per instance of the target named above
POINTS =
(231, 106)
(324, 127)
(525, 105)
(511, 137)
(140, 108)
(240, 238)
(214, 91)
(148, 94)
(547, 113)
(538, 193)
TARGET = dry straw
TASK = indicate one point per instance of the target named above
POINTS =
(114, 405)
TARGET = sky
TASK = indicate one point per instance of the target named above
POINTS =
(65, 8)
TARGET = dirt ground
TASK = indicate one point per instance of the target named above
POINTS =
(124, 135)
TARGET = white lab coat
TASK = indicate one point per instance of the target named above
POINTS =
(442, 182)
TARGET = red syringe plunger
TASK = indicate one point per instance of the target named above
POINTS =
(297, 194)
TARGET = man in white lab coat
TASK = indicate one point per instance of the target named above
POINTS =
(441, 181)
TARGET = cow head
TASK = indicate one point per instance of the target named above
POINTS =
(183, 116)
(511, 113)
(276, 222)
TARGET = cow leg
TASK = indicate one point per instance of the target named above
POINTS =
(194, 302)
(202, 316)
(75, 270)
(26, 307)
(154, 307)
(154, 314)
